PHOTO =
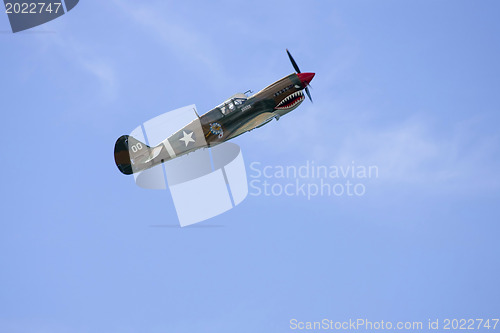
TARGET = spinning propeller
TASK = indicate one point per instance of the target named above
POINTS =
(305, 78)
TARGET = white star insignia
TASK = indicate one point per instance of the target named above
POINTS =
(187, 138)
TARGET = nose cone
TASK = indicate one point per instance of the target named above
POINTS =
(305, 78)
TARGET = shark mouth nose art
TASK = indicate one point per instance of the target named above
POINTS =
(291, 101)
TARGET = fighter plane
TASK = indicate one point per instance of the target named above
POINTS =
(237, 115)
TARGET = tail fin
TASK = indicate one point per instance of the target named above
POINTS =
(128, 152)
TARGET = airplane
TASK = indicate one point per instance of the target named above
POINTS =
(233, 117)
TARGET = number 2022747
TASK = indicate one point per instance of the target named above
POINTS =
(32, 8)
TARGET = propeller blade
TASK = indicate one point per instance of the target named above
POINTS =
(308, 75)
(293, 62)
(309, 94)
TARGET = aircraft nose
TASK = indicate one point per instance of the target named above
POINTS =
(305, 78)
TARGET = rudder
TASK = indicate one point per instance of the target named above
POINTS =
(124, 147)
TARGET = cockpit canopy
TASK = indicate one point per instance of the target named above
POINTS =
(231, 103)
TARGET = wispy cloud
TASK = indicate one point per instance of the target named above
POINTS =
(83, 56)
(176, 35)
(88, 58)
(414, 150)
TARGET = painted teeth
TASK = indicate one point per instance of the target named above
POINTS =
(291, 97)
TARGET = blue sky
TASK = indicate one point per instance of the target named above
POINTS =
(411, 87)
